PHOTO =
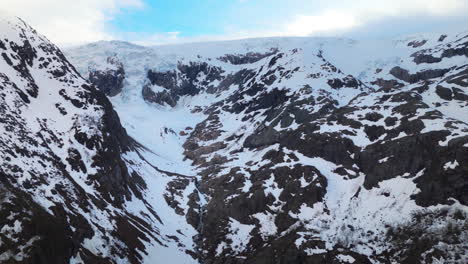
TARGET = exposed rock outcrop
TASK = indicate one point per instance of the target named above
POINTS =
(109, 79)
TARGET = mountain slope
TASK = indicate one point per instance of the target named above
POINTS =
(309, 150)
(73, 186)
(281, 150)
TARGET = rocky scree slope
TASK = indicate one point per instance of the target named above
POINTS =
(74, 187)
(308, 150)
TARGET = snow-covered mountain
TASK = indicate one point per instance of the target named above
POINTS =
(74, 187)
(278, 150)
(308, 150)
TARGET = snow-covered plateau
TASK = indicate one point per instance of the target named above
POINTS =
(257, 151)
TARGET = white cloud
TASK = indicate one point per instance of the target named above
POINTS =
(147, 39)
(79, 21)
(414, 7)
(347, 15)
(328, 21)
(69, 21)
(152, 38)
(351, 14)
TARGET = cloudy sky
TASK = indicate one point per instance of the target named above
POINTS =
(151, 22)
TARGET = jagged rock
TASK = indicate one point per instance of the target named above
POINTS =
(161, 98)
(250, 57)
(374, 116)
(458, 94)
(404, 75)
(388, 84)
(185, 81)
(167, 80)
(444, 93)
(417, 44)
(109, 80)
(442, 37)
(425, 58)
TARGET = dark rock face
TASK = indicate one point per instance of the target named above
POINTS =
(186, 80)
(161, 98)
(404, 75)
(190, 86)
(349, 81)
(444, 93)
(168, 80)
(114, 178)
(110, 81)
(442, 37)
(415, 240)
(423, 58)
(459, 78)
(35, 221)
(459, 94)
(250, 57)
(387, 85)
(417, 44)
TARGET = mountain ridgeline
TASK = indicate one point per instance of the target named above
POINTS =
(258, 151)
